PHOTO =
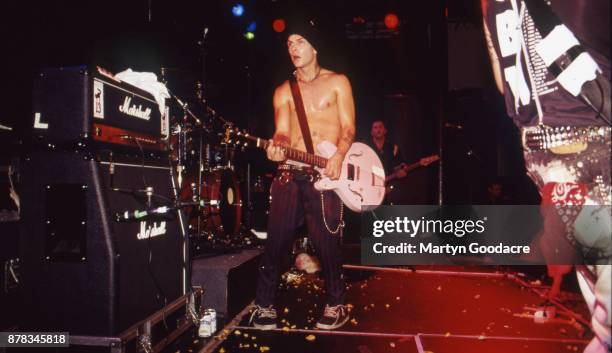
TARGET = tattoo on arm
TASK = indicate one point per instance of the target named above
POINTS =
(346, 110)
(346, 140)
(283, 139)
(349, 136)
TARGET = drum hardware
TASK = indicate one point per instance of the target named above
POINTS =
(188, 135)
(186, 110)
(217, 203)
(208, 185)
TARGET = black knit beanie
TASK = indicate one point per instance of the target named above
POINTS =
(307, 29)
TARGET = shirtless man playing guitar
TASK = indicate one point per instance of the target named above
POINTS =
(328, 101)
(330, 112)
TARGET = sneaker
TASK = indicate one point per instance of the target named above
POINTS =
(263, 318)
(333, 317)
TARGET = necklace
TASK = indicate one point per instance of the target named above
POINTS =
(309, 81)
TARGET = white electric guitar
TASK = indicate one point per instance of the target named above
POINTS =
(362, 179)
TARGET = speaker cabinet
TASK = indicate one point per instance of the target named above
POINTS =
(83, 272)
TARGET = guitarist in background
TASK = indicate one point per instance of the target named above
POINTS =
(392, 159)
(389, 153)
(330, 113)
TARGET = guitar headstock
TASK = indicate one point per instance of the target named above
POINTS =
(234, 136)
(425, 161)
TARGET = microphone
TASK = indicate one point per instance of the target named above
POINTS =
(137, 215)
(453, 126)
(201, 203)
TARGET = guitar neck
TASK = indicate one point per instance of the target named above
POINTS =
(413, 166)
(292, 153)
(407, 169)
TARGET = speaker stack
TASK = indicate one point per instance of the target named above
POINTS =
(99, 151)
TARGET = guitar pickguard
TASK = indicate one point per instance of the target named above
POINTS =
(355, 155)
(360, 195)
(354, 187)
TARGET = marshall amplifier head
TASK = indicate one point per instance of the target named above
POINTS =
(76, 104)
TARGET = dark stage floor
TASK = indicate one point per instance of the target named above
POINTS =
(429, 310)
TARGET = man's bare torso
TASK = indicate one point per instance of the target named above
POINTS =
(320, 103)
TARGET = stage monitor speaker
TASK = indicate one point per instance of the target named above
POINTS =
(230, 280)
(83, 272)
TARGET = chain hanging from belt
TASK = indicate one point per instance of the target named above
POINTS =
(340, 224)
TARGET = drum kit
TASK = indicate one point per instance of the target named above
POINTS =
(228, 203)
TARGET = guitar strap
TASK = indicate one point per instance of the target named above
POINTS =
(301, 113)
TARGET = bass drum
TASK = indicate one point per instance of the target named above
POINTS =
(221, 192)
(219, 157)
(222, 211)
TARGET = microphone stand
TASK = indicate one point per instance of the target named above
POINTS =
(187, 288)
(186, 109)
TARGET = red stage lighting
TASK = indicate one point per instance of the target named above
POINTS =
(278, 25)
(391, 21)
(359, 20)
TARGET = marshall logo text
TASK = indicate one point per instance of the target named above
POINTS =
(133, 110)
(151, 231)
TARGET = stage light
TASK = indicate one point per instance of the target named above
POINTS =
(249, 35)
(238, 10)
(358, 20)
(278, 25)
(252, 26)
(391, 21)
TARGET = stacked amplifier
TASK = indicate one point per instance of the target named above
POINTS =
(100, 151)
(77, 104)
